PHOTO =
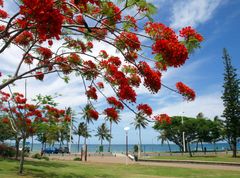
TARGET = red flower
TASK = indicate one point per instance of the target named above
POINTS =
(173, 53)
(2, 28)
(111, 113)
(145, 108)
(67, 118)
(131, 21)
(5, 120)
(163, 118)
(126, 92)
(89, 45)
(100, 85)
(93, 114)
(128, 40)
(39, 75)
(189, 32)
(92, 93)
(117, 104)
(187, 92)
(74, 58)
(24, 38)
(1, 3)
(3, 14)
(28, 59)
(152, 78)
(45, 52)
(44, 16)
(115, 61)
(103, 54)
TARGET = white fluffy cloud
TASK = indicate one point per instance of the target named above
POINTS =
(192, 12)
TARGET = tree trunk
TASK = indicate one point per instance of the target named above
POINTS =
(169, 148)
(22, 156)
(110, 139)
(140, 143)
(17, 147)
(85, 149)
(101, 141)
(197, 147)
(78, 142)
(189, 149)
(32, 144)
(234, 148)
(201, 145)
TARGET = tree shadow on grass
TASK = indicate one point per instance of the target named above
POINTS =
(45, 164)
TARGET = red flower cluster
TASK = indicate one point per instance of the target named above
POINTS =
(82, 4)
(39, 76)
(115, 12)
(152, 79)
(24, 38)
(163, 118)
(174, 53)
(117, 104)
(100, 85)
(1, 3)
(103, 54)
(131, 56)
(44, 16)
(5, 120)
(45, 52)
(127, 93)
(28, 59)
(128, 40)
(3, 14)
(134, 80)
(2, 28)
(89, 70)
(187, 92)
(92, 93)
(74, 58)
(189, 32)
(93, 114)
(115, 61)
(145, 108)
(111, 113)
(132, 21)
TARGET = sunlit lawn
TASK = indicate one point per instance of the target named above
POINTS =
(8, 169)
(217, 158)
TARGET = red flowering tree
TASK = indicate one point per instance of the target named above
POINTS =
(59, 37)
(25, 118)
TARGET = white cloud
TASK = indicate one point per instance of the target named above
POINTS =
(192, 12)
(210, 105)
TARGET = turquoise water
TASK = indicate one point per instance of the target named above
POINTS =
(118, 148)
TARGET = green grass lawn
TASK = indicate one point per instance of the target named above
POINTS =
(216, 158)
(63, 169)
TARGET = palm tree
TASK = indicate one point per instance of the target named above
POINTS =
(103, 133)
(111, 120)
(140, 122)
(80, 132)
(163, 138)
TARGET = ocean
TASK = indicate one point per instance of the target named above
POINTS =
(120, 148)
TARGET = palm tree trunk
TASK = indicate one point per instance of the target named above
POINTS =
(32, 144)
(201, 145)
(101, 141)
(189, 149)
(140, 143)
(78, 142)
(197, 147)
(22, 156)
(110, 131)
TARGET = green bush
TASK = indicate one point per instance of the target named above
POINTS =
(36, 156)
(7, 151)
(46, 158)
(77, 159)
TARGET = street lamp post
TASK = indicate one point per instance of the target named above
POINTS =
(183, 136)
(126, 130)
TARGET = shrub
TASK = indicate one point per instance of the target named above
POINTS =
(36, 156)
(7, 151)
(45, 158)
(77, 159)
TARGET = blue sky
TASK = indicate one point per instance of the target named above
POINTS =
(217, 20)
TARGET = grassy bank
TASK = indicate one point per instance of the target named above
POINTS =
(60, 169)
(216, 158)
